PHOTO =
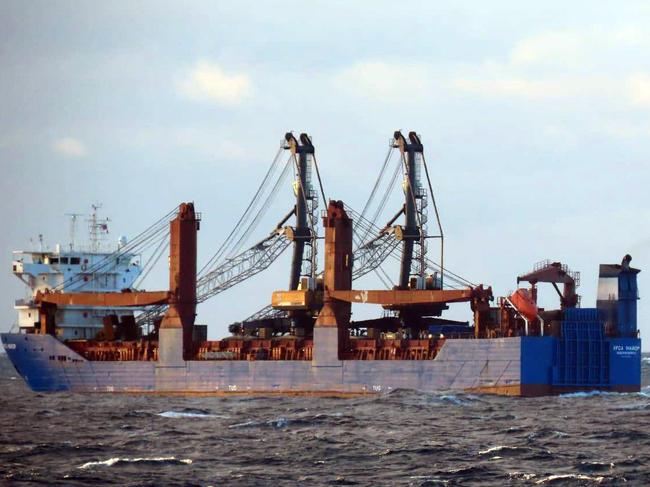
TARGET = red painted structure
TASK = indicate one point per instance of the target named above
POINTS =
(181, 296)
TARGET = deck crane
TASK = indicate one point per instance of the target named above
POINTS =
(373, 245)
(304, 235)
(229, 266)
(412, 235)
(378, 243)
(416, 270)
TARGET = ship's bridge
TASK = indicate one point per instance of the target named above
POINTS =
(72, 271)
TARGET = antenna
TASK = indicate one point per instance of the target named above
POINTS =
(97, 227)
(73, 227)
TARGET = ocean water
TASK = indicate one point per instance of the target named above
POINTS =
(403, 438)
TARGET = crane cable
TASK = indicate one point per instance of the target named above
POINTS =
(244, 216)
(263, 209)
(366, 223)
(387, 194)
(320, 182)
(361, 222)
(378, 181)
(132, 247)
(435, 209)
(376, 186)
(153, 260)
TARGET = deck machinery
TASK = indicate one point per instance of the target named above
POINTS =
(306, 341)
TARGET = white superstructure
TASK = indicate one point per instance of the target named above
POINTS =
(72, 270)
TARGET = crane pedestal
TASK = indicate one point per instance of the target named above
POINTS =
(331, 327)
(170, 346)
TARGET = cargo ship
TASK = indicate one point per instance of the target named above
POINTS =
(305, 341)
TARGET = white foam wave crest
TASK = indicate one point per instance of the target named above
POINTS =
(498, 448)
(186, 414)
(117, 460)
(453, 399)
(492, 449)
(645, 392)
(588, 394)
(569, 476)
(277, 423)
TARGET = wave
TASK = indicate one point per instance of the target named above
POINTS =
(640, 406)
(419, 398)
(562, 478)
(466, 471)
(276, 423)
(546, 433)
(121, 461)
(505, 450)
(645, 392)
(191, 413)
(453, 399)
(418, 450)
(593, 393)
(595, 466)
(521, 475)
(331, 419)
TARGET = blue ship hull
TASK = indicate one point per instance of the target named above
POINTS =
(525, 366)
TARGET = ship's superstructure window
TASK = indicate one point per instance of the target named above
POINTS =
(54, 260)
(75, 260)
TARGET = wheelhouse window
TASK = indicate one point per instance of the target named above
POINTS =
(75, 260)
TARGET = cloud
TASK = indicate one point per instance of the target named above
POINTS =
(203, 141)
(553, 46)
(378, 80)
(521, 86)
(625, 130)
(578, 48)
(69, 147)
(594, 63)
(639, 86)
(511, 86)
(209, 82)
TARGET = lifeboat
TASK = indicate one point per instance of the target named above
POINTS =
(523, 301)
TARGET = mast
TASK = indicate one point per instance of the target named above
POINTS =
(96, 227)
(73, 228)
(301, 233)
(412, 230)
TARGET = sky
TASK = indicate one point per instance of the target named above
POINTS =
(535, 120)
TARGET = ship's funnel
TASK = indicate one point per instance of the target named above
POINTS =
(617, 297)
